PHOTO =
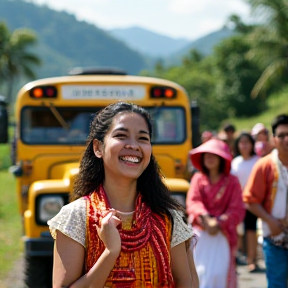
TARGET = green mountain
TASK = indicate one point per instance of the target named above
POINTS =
(204, 44)
(65, 42)
(149, 43)
(171, 51)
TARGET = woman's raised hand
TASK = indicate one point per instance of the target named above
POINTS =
(109, 233)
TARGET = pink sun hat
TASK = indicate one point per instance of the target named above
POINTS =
(214, 146)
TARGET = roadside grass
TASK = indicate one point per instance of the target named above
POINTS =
(10, 220)
(5, 161)
(10, 223)
(276, 104)
(11, 244)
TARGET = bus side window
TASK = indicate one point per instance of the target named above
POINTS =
(79, 126)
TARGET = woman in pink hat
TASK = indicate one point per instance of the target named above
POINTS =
(215, 208)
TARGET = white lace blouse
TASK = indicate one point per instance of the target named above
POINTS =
(71, 221)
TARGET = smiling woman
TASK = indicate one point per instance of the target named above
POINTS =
(53, 120)
(123, 222)
(128, 140)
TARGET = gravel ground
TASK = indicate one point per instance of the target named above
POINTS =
(256, 279)
(252, 280)
(15, 277)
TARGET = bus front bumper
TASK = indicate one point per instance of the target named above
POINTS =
(42, 246)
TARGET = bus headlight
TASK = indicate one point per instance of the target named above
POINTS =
(180, 197)
(49, 206)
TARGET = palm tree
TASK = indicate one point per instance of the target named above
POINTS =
(4, 39)
(269, 41)
(16, 57)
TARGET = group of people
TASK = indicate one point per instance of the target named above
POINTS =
(261, 168)
(123, 229)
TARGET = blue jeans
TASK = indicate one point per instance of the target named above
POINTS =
(276, 260)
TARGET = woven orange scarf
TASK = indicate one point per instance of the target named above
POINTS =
(144, 260)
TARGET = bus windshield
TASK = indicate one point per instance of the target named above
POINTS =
(70, 125)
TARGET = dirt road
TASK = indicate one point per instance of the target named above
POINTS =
(15, 278)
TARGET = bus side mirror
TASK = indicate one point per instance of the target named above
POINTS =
(195, 125)
(3, 121)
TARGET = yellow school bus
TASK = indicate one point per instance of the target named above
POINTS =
(52, 123)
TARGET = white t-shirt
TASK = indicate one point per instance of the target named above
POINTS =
(242, 168)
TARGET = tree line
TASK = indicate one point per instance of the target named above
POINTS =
(243, 70)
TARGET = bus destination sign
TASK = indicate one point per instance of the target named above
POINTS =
(106, 92)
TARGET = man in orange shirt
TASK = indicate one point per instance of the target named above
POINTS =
(266, 197)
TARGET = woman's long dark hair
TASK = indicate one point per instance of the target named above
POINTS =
(91, 173)
(251, 140)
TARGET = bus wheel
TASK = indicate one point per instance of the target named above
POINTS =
(38, 272)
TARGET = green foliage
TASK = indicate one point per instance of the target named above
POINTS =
(236, 24)
(221, 83)
(196, 76)
(5, 161)
(237, 77)
(276, 104)
(270, 43)
(15, 57)
(4, 39)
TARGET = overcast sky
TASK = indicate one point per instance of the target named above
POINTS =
(176, 18)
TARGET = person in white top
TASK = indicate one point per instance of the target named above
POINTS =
(241, 167)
